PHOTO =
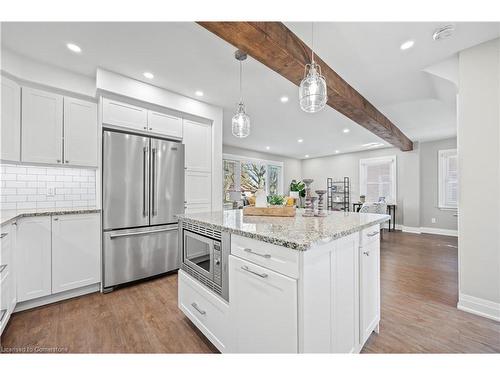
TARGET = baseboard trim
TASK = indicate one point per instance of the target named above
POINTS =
(26, 305)
(479, 306)
(443, 232)
(415, 230)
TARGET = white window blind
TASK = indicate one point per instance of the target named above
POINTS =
(448, 178)
(378, 178)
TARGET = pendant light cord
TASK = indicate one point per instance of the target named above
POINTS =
(312, 42)
(241, 84)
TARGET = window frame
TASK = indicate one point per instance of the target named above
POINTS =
(442, 159)
(245, 159)
(377, 160)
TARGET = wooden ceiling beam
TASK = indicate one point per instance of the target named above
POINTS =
(275, 46)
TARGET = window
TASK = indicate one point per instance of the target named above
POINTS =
(377, 178)
(246, 175)
(448, 179)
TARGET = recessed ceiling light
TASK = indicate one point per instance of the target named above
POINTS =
(407, 45)
(267, 147)
(346, 130)
(199, 93)
(148, 75)
(337, 151)
(74, 48)
(300, 140)
(284, 99)
(306, 156)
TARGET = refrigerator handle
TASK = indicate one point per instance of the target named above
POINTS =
(144, 167)
(153, 182)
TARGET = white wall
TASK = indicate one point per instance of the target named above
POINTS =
(292, 168)
(479, 177)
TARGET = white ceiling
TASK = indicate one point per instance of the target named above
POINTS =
(184, 58)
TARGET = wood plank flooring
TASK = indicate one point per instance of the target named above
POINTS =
(419, 315)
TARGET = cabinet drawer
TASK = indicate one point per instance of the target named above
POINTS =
(206, 310)
(370, 234)
(124, 114)
(276, 258)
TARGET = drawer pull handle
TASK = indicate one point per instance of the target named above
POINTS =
(2, 315)
(367, 253)
(3, 235)
(263, 275)
(372, 234)
(267, 256)
(2, 267)
(195, 305)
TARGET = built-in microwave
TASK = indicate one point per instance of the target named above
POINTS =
(205, 256)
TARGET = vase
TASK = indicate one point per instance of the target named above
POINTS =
(309, 204)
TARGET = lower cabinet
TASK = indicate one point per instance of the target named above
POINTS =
(33, 258)
(7, 275)
(263, 308)
(369, 288)
(75, 251)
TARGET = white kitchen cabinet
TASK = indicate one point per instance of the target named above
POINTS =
(369, 288)
(198, 189)
(345, 295)
(8, 292)
(197, 138)
(75, 251)
(263, 309)
(80, 132)
(124, 114)
(33, 257)
(165, 124)
(42, 126)
(11, 120)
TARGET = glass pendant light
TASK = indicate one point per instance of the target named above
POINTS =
(240, 124)
(312, 89)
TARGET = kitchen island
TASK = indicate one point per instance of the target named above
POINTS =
(281, 285)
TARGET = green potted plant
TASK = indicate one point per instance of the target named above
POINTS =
(276, 200)
(297, 191)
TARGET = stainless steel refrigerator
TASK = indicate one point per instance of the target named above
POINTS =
(143, 190)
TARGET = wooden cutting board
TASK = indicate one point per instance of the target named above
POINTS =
(282, 211)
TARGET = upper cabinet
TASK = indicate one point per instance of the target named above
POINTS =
(124, 114)
(42, 126)
(80, 132)
(162, 123)
(58, 129)
(11, 120)
(197, 139)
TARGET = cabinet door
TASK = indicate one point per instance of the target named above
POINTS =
(369, 289)
(124, 114)
(42, 121)
(11, 120)
(33, 258)
(75, 251)
(263, 309)
(198, 187)
(162, 123)
(198, 140)
(345, 295)
(80, 132)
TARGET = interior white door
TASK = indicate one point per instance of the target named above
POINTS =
(33, 258)
(42, 126)
(80, 132)
(165, 124)
(75, 251)
(263, 309)
(11, 120)
(369, 288)
(197, 138)
(345, 295)
(124, 114)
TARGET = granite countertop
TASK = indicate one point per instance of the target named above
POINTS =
(299, 233)
(9, 215)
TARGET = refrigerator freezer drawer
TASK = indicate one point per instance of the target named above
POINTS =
(134, 254)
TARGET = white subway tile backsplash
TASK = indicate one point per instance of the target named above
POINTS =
(25, 187)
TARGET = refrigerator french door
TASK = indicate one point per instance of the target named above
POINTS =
(143, 190)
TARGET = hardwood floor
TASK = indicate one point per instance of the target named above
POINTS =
(419, 315)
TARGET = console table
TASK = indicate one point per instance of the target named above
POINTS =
(391, 210)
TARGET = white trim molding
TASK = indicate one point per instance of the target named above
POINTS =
(406, 229)
(479, 306)
(440, 231)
